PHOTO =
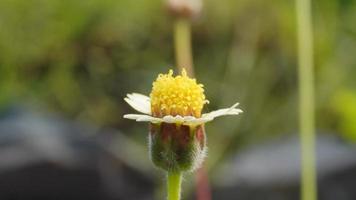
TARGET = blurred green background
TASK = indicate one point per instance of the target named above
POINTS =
(80, 59)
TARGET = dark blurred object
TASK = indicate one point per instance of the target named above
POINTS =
(271, 171)
(46, 157)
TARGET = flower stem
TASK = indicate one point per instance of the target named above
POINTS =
(306, 100)
(183, 46)
(174, 180)
(184, 59)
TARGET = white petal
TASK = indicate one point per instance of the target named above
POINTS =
(197, 121)
(221, 112)
(143, 118)
(189, 118)
(140, 96)
(139, 102)
(132, 116)
(175, 119)
(186, 120)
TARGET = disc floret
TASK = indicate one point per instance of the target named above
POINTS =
(179, 95)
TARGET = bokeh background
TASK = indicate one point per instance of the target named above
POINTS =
(65, 67)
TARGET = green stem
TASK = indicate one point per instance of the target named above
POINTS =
(183, 46)
(184, 59)
(306, 99)
(174, 180)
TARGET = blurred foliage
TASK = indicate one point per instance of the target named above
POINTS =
(345, 104)
(80, 58)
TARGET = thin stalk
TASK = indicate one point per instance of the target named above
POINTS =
(174, 180)
(203, 187)
(184, 59)
(183, 46)
(306, 100)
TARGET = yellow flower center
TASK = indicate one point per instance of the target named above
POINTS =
(178, 95)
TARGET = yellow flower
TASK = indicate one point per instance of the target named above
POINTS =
(178, 95)
(178, 100)
(177, 140)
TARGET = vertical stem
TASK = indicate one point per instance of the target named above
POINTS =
(183, 46)
(203, 188)
(184, 59)
(306, 99)
(174, 180)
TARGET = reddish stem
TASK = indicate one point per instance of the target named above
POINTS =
(203, 187)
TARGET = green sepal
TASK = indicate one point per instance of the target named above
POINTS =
(177, 148)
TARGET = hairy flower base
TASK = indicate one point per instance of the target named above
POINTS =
(177, 148)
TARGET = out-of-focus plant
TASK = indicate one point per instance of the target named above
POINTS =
(344, 104)
(306, 100)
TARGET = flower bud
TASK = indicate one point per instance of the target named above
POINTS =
(185, 8)
(177, 148)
